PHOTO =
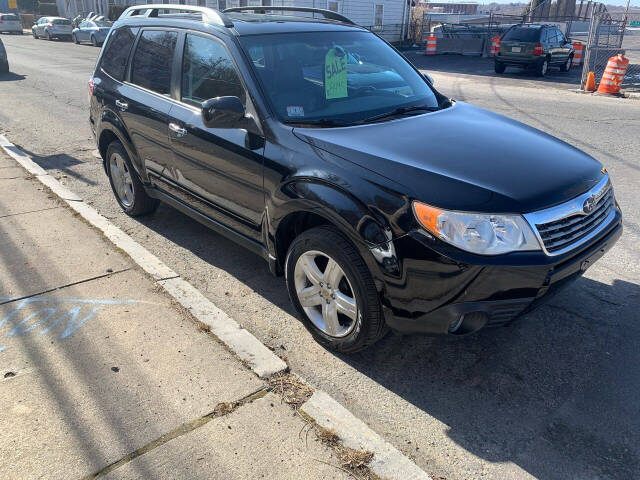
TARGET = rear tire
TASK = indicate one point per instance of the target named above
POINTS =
(94, 42)
(130, 193)
(499, 67)
(542, 67)
(353, 282)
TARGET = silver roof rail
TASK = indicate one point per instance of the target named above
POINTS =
(328, 14)
(209, 15)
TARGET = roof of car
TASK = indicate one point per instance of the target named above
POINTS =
(245, 23)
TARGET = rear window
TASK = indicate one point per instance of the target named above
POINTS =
(152, 60)
(522, 34)
(62, 21)
(10, 18)
(114, 58)
(103, 24)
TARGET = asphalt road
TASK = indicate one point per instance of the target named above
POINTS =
(554, 396)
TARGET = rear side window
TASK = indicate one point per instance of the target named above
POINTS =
(114, 58)
(152, 60)
(522, 34)
(208, 71)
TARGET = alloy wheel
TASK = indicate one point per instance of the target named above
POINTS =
(121, 178)
(325, 293)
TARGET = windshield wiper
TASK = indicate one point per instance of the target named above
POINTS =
(321, 122)
(397, 111)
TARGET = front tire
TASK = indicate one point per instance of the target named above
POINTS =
(35, 35)
(126, 185)
(333, 291)
(567, 65)
(499, 67)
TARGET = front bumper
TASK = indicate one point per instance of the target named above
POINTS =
(436, 285)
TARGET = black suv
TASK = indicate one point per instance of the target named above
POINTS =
(534, 46)
(315, 144)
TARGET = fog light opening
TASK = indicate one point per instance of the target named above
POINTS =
(455, 324)
(468, 323)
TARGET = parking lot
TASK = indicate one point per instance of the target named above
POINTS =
(554, 396)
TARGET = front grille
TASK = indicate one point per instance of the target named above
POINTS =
(561, 234)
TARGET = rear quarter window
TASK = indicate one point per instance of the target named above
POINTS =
(114, 58)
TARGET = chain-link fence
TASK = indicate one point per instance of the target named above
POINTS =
(607, 38)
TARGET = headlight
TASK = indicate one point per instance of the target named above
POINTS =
(484, 234)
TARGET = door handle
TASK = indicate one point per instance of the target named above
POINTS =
(177, 129)
(122, 105)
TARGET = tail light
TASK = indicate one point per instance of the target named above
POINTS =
(537, 50)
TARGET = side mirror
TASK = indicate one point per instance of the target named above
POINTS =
(428, 78)
(223, 112)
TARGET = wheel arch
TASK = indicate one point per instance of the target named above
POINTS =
(302, 205)
(111, 128)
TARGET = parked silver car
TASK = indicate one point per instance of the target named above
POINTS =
(52, 27)
(10, 23)
(94, 31)
(4, 62)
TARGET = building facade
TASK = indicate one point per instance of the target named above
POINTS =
(388, 18)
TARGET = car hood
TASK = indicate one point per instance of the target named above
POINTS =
(465, 158)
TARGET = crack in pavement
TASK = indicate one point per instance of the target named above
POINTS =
(29, 211)
(64, 286)
(221, 410)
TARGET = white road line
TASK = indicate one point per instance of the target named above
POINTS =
(387, 462)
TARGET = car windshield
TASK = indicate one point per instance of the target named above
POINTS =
(62, 21)
(522, 34)
(103, 24)
(335, 78)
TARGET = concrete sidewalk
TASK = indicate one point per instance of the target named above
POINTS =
(98, 367)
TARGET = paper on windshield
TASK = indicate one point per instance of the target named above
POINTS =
(335, 73)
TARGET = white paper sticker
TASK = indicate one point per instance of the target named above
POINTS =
(295, 111)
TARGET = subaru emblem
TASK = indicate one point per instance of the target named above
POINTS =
(589, 204)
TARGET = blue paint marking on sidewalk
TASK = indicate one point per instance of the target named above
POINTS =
(52, 314)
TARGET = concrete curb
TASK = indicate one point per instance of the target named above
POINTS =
(387, 461)
(247, 347)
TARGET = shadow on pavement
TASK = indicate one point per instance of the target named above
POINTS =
(11, 77)
(62, 162)
(556, 393)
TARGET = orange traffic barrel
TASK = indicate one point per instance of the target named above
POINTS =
(431, 45)
(495, 46)
(577, 53)
(613, 74)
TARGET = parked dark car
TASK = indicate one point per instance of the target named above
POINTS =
(534, 46)
(383, 208)
(93, 31)
(4, 61)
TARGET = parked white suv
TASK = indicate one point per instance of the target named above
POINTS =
(10, 23)
(52, 27)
